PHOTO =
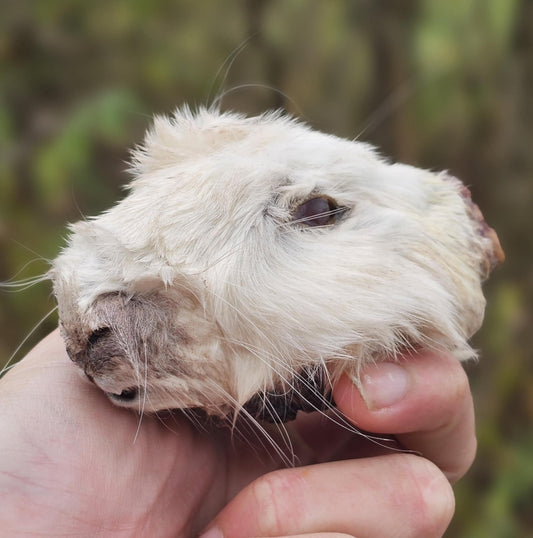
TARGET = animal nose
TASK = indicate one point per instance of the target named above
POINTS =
(102, 345)
(95, 353)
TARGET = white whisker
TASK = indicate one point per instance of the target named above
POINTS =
(241, 87)
(27, 337)
(144, 386)
(226, 67)
(39, 257)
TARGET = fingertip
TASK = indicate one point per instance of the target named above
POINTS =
(432, 502)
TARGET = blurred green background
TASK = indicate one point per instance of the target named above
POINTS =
(438, 84)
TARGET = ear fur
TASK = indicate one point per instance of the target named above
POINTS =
(185, 135)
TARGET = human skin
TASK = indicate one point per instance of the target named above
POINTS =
(71, 463)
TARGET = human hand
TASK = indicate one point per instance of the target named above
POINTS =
(68, 463)
(425, 401)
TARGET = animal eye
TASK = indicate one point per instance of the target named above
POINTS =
(320, 211)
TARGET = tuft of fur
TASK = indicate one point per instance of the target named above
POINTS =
(209, 292)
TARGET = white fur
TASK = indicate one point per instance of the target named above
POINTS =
(207, 226)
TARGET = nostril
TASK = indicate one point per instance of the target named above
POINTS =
(127, 395)
(102, 345)
(98, 335)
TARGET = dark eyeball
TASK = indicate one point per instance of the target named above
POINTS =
(319, 211)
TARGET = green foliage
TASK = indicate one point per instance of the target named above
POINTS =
(65, 161)
(438, 84)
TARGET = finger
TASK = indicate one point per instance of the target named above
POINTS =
(395, 495)
(318, 535)
(424, 400)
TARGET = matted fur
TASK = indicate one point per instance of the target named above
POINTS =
(201, 290)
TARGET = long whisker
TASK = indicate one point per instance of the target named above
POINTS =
(258, 428)
(38, 256)
(23, 284)
(240, 87)
(334, 414)
(38, 324)
(226, 67)
(142, 404)
(394, 101)
(12, 282)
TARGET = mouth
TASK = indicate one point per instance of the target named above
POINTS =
(119, 396)
(126, 396)
(309, 391)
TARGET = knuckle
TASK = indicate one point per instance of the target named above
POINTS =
(455, 472)
(279, 498)
(455, 400)
(459, 382)
(433, 501)
(453, 392)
